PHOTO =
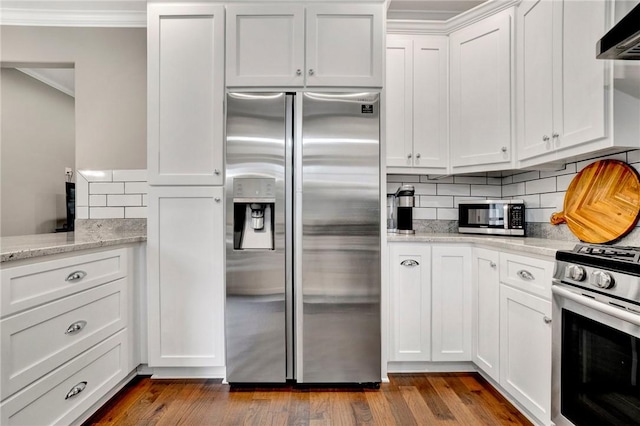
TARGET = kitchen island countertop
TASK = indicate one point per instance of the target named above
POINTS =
(524, 245)
(30, 246)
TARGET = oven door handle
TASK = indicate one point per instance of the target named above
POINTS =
(598, 306)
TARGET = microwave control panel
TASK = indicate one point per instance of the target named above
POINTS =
(516, 216)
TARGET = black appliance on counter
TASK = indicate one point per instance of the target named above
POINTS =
(405, 201)
(70, 201)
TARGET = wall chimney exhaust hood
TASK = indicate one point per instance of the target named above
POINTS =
(623, 40)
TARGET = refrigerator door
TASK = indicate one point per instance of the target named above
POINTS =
(256, 149)
(340, 248)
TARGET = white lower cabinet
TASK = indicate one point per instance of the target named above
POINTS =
(486, 311)
(451, 303)
(186, 277)
(525, 350)
(410, 302)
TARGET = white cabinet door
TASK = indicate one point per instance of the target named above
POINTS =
(265, 45)
(185, 94)
(344, 45)
(186, 277)
(525, 350)
(431, 102)
(410, 302)
(399, 101)
(535, 71)
(486, 311)
(451, 303)
(481, 114)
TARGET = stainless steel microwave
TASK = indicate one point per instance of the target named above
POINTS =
(498, 217)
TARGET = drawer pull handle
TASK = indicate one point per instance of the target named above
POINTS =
(76, 276)
(75, 327)
(76, 390)
(526, 275)
(547, 320)
(409, 262)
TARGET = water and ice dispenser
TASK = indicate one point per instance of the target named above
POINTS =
(253, 213)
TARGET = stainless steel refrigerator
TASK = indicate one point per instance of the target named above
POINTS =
(303, 237)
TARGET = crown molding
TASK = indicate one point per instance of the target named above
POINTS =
(58, 85)
(73, 18)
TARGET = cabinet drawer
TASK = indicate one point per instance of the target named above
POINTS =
(39, 340)
(49, 400)
(526, 273)
(30, 285)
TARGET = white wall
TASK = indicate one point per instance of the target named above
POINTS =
(111, 95)
(37, 133)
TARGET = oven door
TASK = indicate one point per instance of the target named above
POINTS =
(595, 361)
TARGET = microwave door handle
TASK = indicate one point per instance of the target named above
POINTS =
(507, 218)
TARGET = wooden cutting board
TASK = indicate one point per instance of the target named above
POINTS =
(602, 202)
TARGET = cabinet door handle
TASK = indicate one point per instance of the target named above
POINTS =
(311, 71)
(216, 171)
(408, 155)
(545, 138)
(526, 275)
(555, 135)
(547, 320)
(409, 262)
(492, 264)
(418, 155)
(76, 390)
(75, 276)
(217, 199)
(76, 327)
(298, 71)
(503, 149)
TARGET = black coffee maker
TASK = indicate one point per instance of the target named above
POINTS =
(405, 201)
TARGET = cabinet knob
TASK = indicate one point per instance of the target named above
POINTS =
(547, 320)
(555, 135)
(216, 171)
(492, 264)
(75, 276)
(408, 155)
(409, 262)
(545, 138)
(75, 327)
(76, 390)
(217, 199)
(298, 71)
(503, 149)
(311, 71)
(418, 155)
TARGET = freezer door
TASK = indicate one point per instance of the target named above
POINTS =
(256, 139)
(340, 248)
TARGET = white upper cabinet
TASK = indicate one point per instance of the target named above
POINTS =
(481, 94)
(561, 85)
(314, 45)
(185, 94)
(265, 45)
(417, 103)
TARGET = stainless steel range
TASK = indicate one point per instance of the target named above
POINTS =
(596, 336)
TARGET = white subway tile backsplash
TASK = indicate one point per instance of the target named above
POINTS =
(513, 190)
(135, 212)
(541, 185)
(539, 215)
(567, 169)
(564, 181)
(424, 214)
(620, 156)
(436, 201)
(507, 180)
(97, 175)
(403, 178)
(106, 188)
(453, 189)
(425, 188)
(492, 191)
(553, 200)
(447, 214)
(82, 212)
(494, 181)
(99, 200)
(130, 175)
(106, 213)
(470, 179)
(436, 179)
(456, 200)
(121, 200)
(523, 177)
(531, 201)
(136, 187)
(633, 156)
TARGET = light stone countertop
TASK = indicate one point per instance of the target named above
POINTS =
(30, 246)
(524, 245)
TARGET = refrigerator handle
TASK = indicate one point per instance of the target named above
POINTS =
(289, 209)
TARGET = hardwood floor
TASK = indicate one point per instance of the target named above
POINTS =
(409, 399)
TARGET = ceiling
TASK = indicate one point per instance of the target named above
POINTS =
(429, 10)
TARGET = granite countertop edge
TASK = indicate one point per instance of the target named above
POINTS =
(524, 245)
(34, 246)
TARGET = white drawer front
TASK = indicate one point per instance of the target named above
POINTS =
(39, 340)
(30, 285)
(48, 401)
(527, 273)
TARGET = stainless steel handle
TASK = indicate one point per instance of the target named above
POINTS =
(555, 135)
(76, 276)
(76, 390)
(492, 264)
(545, 138)
(503, 149)
(311, 71)
(217, 199)
(597, 305)
(76, 327)
(216, 171)
(408, 155)
(526, 275)
(418, 155)
(547, 320)
(298, 71)
(409, 262)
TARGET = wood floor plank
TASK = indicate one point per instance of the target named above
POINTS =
(298, 409)
(381, 411)
(319, 408)
(494, 401)
(461, 412)
(419, 408)
(400, 410)
(208, 407)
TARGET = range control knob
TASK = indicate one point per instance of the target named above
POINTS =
(575, 273)
(602, 279)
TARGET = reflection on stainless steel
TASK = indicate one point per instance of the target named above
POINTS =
(339, 206)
